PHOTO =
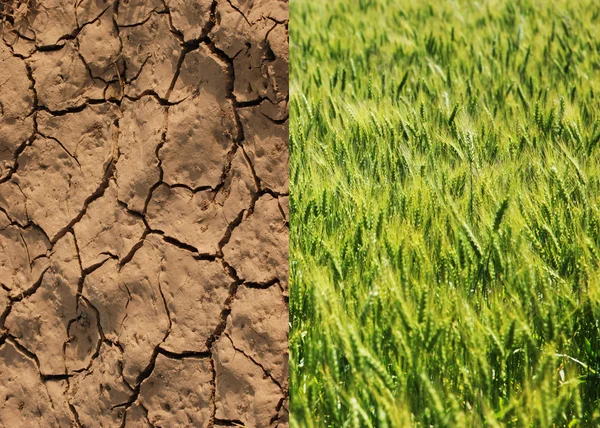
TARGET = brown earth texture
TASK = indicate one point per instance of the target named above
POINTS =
(143, 213)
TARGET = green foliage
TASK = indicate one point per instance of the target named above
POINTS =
(445, 230)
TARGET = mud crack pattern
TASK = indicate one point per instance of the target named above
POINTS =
(144, 213)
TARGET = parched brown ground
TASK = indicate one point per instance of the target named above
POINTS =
(144, 213)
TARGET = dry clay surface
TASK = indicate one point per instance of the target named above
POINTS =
(144, 213)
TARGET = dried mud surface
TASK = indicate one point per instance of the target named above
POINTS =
(144, 213)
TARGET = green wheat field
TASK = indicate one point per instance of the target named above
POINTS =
(445, 199)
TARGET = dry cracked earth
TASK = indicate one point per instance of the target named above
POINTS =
(144, 213)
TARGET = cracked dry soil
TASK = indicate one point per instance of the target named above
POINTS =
(144, 213)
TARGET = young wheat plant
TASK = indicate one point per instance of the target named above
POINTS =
(445, 213)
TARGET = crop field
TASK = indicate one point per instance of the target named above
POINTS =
(445, 218)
